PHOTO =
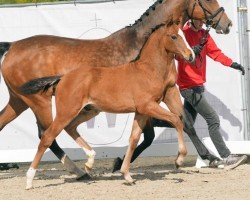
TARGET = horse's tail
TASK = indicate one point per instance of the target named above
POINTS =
(36, 85)
(4, 47)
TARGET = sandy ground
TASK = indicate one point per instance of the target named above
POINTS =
(156, 179)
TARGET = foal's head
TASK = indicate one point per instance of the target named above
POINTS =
(173, 41)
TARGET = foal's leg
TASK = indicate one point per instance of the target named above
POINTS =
(138, 125)
(71, 129)
(11, 111)
(47, 138)
(173, 100)
(43, 111)
(155, 110)
(64, 116)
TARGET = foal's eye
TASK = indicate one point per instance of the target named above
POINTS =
(173, 37)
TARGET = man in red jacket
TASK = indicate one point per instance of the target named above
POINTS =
(191, 79)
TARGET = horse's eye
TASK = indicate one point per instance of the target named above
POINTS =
(173, 37)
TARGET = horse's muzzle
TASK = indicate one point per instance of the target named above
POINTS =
(226, 30)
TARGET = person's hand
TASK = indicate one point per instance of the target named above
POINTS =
(239, 67)
(197, 49)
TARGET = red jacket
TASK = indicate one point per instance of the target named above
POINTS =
(195, 75)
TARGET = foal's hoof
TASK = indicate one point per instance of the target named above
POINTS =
(129, 179)
(29, 187)
(178, 164)
(131, 182)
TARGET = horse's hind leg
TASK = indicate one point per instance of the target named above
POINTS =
(44, 119)
(71, 129)
(138, 125)
(11, 111)
(155, 110)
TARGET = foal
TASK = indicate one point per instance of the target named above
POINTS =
(137, 87)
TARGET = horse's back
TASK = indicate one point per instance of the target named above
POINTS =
(44, 55)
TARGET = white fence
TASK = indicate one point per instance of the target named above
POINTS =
(109, 132)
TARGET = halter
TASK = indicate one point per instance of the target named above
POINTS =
(209, 18)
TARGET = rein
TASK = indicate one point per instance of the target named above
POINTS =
(203, 40)
(209, 19)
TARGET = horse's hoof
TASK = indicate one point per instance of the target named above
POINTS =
(84, 177)
(87, 168)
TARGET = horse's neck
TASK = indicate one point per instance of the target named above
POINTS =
(168, 9)
(131, 39)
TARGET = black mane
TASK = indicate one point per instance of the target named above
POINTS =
(146, 13)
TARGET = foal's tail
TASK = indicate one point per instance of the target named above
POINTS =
(36, 85)
(4, 47)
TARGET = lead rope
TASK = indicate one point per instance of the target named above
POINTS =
(203, 40)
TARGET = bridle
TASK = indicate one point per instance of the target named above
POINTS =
(208, 15)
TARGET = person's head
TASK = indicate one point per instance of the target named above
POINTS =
(196, 25)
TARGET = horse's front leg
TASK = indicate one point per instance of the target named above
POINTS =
(153, 109)
(138, 125)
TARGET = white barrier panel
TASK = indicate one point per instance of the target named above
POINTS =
(97, 21)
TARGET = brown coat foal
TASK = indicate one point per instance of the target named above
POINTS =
(137, 87)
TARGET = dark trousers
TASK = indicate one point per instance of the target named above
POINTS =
(196, 103)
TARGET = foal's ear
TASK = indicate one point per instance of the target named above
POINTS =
(170, 23)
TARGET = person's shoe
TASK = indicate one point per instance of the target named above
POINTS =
(216, 163)
(233, 161)
(117, 164)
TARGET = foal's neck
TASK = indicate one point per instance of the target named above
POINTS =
(154, 58)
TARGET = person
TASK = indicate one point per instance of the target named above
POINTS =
(191, 79)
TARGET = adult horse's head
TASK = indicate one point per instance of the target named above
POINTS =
(211, 12)
(175, 42)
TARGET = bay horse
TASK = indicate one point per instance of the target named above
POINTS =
(44, 56)
(138, 87)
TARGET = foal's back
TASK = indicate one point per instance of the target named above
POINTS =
(121, 89)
